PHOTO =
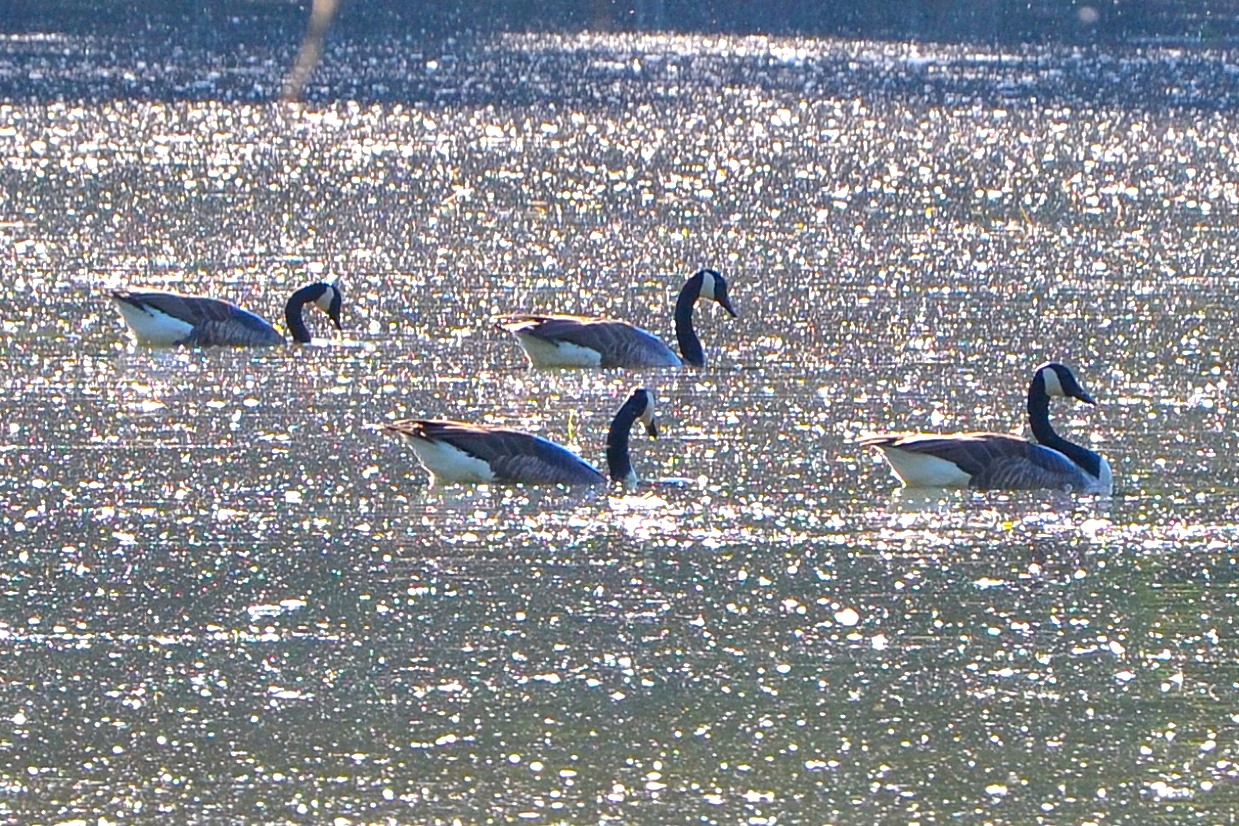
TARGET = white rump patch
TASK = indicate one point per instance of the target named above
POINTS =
(920, 470)
(448, 464)
(543, 353)
(150, 326)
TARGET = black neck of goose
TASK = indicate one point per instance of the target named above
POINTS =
(618, 462)
(292, 314)
(1039, 419)
(690, 345)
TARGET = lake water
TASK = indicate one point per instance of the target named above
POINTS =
(226, 597)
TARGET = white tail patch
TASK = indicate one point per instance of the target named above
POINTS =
(150, 326)
(448, 464)
(543, 353)
(921, 470)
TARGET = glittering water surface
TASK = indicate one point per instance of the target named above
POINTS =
(227, 597)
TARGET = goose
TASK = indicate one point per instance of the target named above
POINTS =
(456, 452)
(1001, 461)
(166, 319)
(582, 341)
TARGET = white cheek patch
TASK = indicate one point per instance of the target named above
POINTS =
(921, 470)
(1053, 387)
(707, 285)
(324, 300)
(150, 326)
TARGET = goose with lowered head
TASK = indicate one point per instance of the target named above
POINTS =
(1002, 461)
(456, 452)
(168, 319)
(581, 341)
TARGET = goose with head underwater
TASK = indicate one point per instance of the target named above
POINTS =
(582, 341)
(1002, 461)
(455, 452)
(167, 319)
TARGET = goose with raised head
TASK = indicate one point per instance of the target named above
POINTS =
(167, 319)
(1002, 461)
(580, 341)
(456, 452)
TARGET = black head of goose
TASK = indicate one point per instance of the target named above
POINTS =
(1001, 461)
(167, 319)
(456, 452)
(580, 341)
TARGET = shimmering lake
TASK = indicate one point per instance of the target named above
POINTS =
(228, 598)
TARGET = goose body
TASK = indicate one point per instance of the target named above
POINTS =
(1002, 461)
(580, 341)
(456, 452)
(168, 319)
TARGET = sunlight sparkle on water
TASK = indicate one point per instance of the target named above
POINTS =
(216, 547)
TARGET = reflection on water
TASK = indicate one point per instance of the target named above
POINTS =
(228, 597)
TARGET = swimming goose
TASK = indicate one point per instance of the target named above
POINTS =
(1000, 461)
(165, 319)
(459, 452)
(580, 341)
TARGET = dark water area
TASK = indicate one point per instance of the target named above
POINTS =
(225, 596)
(1009, 21)
(393, 52)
